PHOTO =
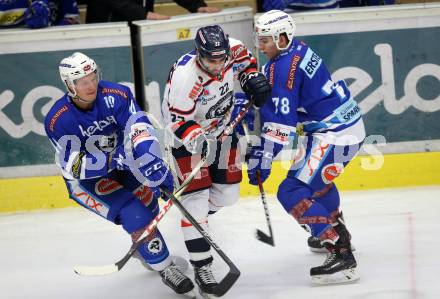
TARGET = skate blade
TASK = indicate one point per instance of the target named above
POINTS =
(191, 294)
(324, 250)
(318, 250)
(206, 295)
(341, 277)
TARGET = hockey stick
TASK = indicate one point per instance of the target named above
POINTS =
(108, 269)
(263, 237)
(29, 2)
(260, 234)
(228, 281)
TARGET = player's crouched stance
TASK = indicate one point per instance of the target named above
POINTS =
(87, 128)
(304, 95)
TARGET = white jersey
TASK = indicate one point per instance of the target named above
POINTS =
(193, 94)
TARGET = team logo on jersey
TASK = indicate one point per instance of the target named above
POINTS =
(221, 107)
(155, 246)
(310, 63)
(331, 172)
(106, 186)
(108, 143)
(97, 125)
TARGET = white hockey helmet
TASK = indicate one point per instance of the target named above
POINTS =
(273, 23)
(75, 67)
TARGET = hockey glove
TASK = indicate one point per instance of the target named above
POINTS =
(260, 160)
(249, 117)
(256, 87)
(37, 15)
(158, 176)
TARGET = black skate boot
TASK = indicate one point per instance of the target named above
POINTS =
(176, 280)
(339, 266)
(315, 244)
(205, 280)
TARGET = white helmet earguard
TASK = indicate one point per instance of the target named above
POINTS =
(75, 67)
(273, 23)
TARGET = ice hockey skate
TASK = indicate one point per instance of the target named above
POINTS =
(173, 277)
(180, 262)
(205, 280)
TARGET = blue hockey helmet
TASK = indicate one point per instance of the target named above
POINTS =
(212, 43)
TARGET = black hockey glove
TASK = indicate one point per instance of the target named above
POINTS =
(256, 87)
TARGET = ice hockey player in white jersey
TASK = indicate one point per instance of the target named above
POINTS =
(198, 103)
(87, 128)
(304, 95)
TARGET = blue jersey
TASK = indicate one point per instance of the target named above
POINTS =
(84, 140)
(303, 92)
(62, 12)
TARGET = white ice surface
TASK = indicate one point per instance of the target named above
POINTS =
(395, 233)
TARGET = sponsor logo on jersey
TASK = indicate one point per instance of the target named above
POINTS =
(106, 186)
(88, 200)
(292, 71)
(331, 172)
(144, 194)
(348, 112)
(97, 125)
(353, 112)
(115, 91)
(278, 133)
(56, 116)
(310, 63)
(271, 73)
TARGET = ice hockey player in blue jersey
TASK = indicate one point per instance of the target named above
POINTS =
(110, 159)
(304, 96)
(38, 13)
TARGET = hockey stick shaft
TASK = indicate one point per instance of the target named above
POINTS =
(260, 235)
(228, 281)
(31, 7)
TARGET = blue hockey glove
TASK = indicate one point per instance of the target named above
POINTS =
(241, 101)
(37, 15)
(260, 160)
(158, 176)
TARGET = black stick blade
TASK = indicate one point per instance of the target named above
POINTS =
(265, 238)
